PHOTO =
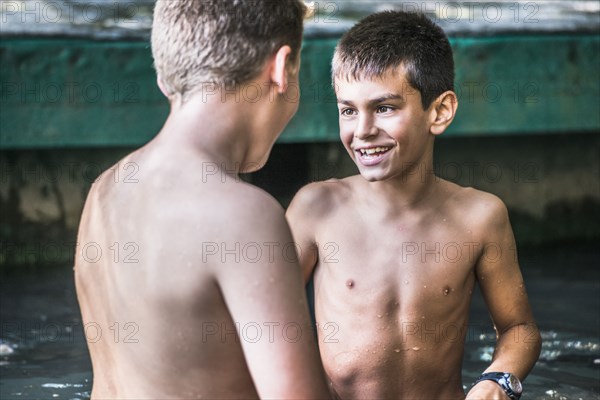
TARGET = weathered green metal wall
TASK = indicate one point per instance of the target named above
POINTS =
(64, 93)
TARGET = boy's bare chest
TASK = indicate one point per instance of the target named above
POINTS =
(396, 269)
(422, 250)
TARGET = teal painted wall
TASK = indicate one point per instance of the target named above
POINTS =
(69, 93)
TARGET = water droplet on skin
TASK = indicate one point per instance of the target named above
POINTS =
(446, 291)
(444, 220)
(406, 282)
(425, 286)
(378, 315)
(416, 348)
(397, 350)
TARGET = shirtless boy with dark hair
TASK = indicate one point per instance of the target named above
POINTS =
(196, 316)
(411, 246)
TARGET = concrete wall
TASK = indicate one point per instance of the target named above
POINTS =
(549, 182)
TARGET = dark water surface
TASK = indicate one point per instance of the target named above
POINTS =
(43, 354)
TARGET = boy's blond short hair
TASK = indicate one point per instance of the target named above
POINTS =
(222, 42)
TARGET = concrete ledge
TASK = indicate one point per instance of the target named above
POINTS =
(548, 182)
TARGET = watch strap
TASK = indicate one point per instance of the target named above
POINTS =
(501, 378)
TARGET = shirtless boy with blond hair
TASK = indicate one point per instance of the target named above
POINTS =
(181, 272)
(396, 251)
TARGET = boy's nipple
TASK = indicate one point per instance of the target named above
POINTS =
(349, 283)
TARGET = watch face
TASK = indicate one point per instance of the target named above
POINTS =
(515, 384)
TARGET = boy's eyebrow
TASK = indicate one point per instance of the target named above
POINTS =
(381, 99)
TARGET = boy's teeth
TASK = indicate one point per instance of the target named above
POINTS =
(373, 150)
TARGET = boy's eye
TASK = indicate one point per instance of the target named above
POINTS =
(347, 112)
(384, 109)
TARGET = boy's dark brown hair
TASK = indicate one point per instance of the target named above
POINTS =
(389, 39)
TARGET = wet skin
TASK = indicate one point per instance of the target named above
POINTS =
(169, 279)
(396, 253)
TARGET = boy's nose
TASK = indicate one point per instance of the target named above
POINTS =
(365, 128)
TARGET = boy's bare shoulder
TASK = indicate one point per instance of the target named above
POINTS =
(484, 209)
(249, 206)
(317, 199)
(253, 202)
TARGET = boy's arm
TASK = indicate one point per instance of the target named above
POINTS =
(266, 298)
(301, 215)
(499, 277)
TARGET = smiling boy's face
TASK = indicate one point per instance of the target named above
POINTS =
(383, 125)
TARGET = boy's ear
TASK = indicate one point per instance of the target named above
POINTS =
(162, 88)
(280, 65)
(443, 112)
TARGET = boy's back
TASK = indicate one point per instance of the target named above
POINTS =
(184, 289)
(152, 299)
(159, 304)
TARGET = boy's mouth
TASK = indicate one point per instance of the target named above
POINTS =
(373, 151)
(372, 155)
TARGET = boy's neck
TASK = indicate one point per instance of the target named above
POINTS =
(408, 190)
(211, 129)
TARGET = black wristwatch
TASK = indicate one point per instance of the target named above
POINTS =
(508, 382)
